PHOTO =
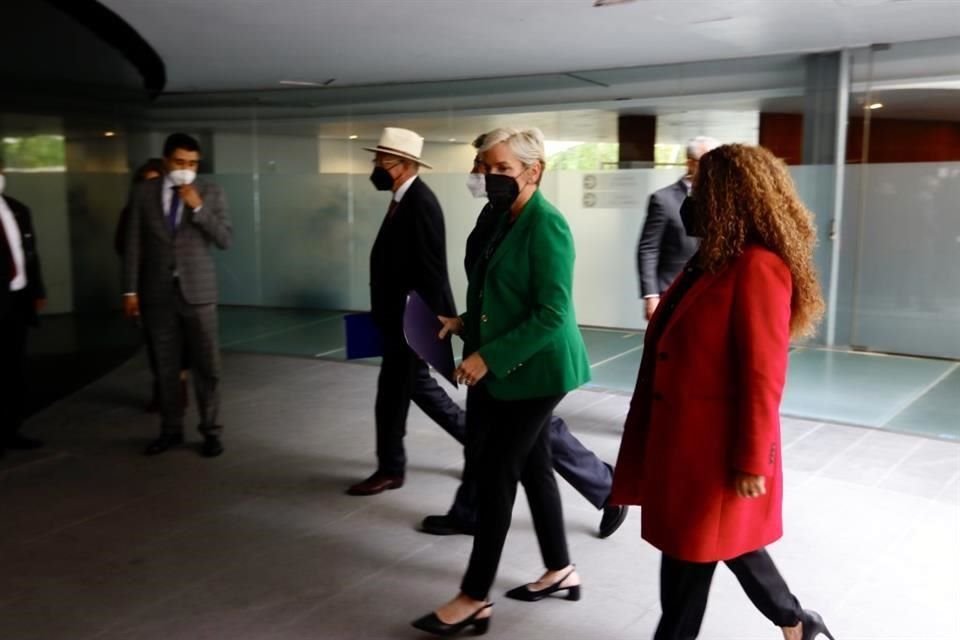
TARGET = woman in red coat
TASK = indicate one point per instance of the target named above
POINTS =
(701, 444)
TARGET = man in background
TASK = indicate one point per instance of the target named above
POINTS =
(664, 247)
(170, 277)
(22, 296)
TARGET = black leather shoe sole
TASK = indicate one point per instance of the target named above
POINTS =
(612, 518)
(211, 447)
(443, 526)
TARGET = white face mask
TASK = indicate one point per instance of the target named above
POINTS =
(3, 183)
(477, 184)
(181, 177)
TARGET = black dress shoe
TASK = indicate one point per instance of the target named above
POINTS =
(17, 441)
(377, 483)
(432, 624)
(164, 442)
(445, 525)
(211, 447)
(524, 593)
(613, 517)
(813, 626)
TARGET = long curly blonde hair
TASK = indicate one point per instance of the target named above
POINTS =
(744, 195)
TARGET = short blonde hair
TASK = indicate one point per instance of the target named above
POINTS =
(526, 144)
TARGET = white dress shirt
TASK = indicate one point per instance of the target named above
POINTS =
(15, 240)
(398, 195)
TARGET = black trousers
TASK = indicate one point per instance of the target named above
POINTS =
(405, 377)
(14, 326)
(517, 450)
(684, 587)
(580, 467)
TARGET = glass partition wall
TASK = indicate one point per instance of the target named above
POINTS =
(305, 215)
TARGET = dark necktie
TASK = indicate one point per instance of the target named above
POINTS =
(391, 208)
(172, 213)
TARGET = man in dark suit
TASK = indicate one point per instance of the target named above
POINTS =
(664, 247)
(169, 275)
(22, 295)
(409, 254)
(580, 467)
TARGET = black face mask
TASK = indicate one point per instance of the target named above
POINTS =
(691, 217)
(502, 191)
(381, 179)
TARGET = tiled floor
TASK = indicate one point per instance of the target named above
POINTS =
(912, 395)
(98, 542)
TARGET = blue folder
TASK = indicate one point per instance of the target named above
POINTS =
(363, 336)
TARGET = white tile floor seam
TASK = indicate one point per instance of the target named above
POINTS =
(262, 544)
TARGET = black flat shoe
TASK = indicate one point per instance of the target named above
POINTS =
(524, 593)
(813, 626)
(163, 443)
(432, 624)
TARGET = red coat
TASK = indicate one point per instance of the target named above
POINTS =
(711, 409)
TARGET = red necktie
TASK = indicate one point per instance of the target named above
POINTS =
(392, 208)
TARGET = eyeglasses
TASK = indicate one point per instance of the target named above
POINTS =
(378, 163)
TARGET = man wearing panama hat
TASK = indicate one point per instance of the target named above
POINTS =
(409, 254)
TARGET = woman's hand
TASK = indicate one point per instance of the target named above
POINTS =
(471, 370)
(749, 485)
(450, 325)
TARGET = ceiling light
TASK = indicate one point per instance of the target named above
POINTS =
(452, 140)
(300, 83)
(875, 105)
(109, 134)
(354, 137)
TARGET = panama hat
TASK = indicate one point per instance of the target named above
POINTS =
(402, 143)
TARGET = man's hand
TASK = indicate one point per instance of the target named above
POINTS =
(471, 370)
(450, 325)
(749, 485)
(131, 306)
(190, 196)
(651, 305)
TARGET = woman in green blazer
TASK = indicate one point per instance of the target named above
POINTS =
(524, 352)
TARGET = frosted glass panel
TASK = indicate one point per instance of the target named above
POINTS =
(95, 201)
(305, 236)
(606, 211)
(369, 208)
(899, 271)
(815, 186)
(238, 268)
(908, 268)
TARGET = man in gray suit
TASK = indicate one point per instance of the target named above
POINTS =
(664, 247)
(169, 277)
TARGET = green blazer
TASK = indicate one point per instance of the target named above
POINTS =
(520, 314)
